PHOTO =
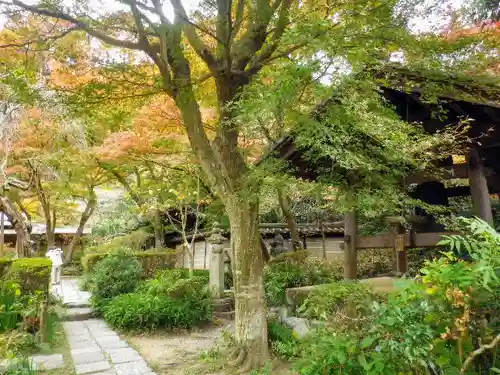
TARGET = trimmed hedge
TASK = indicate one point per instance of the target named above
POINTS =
(151, 261)
(32, 274)
(4, 267)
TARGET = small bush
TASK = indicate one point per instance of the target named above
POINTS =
(282, 339)
(152, 261)
(183, 273)
(291, 270)
(167, 301)
(155, 260)
(15, 343)
(4, 267)
(32, 274)
(9, 315)
(374, 262)
(325, 301)
(143, 311)
(114, 275)
(133, 241)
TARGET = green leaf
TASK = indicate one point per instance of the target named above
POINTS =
(443, 360)
(367, 342)
(362, 361)
(342, 357)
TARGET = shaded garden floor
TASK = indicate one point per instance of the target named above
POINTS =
(189, 353)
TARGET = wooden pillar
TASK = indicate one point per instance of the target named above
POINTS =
(400, 251)
(350, 250)
(479, 187)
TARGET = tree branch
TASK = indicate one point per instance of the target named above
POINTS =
(194, 40)
(80, 24)
(283, 21)
(44, 40)
(477, 353)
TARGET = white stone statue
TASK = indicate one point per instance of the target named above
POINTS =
(55, 254)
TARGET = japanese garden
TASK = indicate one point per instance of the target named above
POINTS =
(219, 187)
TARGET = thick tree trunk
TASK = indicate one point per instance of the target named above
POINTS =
(290, 219)
(248, 265)
(23, 246)
(86, 215)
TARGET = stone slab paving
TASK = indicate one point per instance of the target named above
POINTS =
(98, 350)
(95, 348)
(71, 294)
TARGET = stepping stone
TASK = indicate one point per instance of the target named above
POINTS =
(109, 336)
(124, 355)
(133, 368)
(79, 314)
(75, 328)
(109, 372)
(48, 362)
(112, 343)
(82, 344)
(89, 368)
(87, 355)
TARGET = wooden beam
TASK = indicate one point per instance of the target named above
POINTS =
(386, 241)
(460, 171)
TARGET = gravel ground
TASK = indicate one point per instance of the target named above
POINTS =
(179, 353)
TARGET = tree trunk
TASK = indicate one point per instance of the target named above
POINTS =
(86, 215)
(248, 266)
(157, 223)
(50, 225)
(190, 252)
(290, 219)
(23, 246)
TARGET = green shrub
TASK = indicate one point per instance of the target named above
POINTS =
(20, 367)
(9, 316)
(173, 284)
(430, 326)
(170, 300)
(32, 274)
(294, 270)
(282, 339)
(5, 264)
(152, 261)
(143, 311)
(114, 275)
(15, 343)
(133, 241)
(351, 297)
(374, 262)
(155, 260)
(183, 273)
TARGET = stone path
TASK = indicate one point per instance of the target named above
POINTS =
(98, 350)
(71, 294)
(95, 348)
